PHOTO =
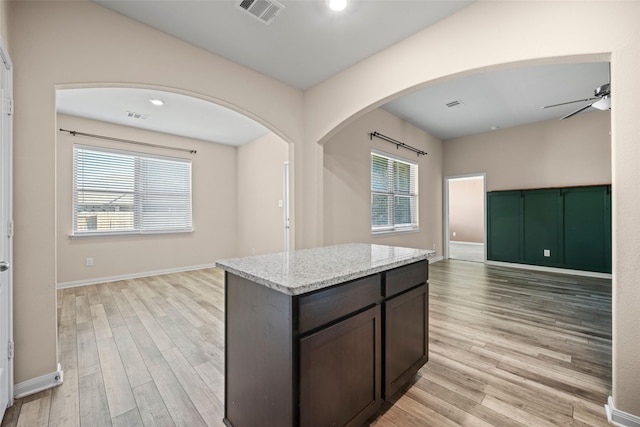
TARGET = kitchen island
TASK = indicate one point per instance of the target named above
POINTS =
(322, 336)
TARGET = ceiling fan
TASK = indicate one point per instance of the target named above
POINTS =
(602, 94)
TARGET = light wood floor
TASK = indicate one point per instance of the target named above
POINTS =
(507, 348)
(466, 251)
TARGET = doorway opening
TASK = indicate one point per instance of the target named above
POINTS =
(465, 224)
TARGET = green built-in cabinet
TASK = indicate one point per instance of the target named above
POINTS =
(554, 227)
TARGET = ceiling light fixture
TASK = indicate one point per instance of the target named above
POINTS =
(603, 104)
(337, 5)
(156, 101)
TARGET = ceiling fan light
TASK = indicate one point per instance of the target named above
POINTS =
(603, 104)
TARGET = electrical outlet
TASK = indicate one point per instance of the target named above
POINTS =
(454, 234)
(547, 252)
(89, 262)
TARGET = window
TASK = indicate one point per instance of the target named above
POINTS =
(123, 192)
(394, 194)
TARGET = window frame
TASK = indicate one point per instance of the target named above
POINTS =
(139, 193)
(413, 194)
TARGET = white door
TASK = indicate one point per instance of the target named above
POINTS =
(6, 231)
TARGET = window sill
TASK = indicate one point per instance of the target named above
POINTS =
(126, 233)
(391, 232)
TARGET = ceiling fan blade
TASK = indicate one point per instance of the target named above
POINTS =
(576, 112)
(570, 102)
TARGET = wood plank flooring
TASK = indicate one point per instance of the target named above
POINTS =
(507, 348)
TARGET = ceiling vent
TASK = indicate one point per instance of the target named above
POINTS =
(138, 116)
(455, 103)
(264, 11)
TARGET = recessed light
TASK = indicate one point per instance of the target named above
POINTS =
(156, 101)
(337, 5)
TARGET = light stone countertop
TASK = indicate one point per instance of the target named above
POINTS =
(306, 270)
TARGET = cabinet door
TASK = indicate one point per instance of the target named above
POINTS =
(504, 226)
(406, 331)
(542, 227)
(340, 372)
(587, 233)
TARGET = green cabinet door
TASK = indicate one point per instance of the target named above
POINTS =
(587, 228)
(542, 224)
(504, 226)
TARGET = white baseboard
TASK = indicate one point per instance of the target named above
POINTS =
(466, 243)
(620, 418)
(435, 259)
(97, 280)
(551, 269)
(38, 384)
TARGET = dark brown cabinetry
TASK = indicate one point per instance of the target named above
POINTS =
(323, 358)
(406, 329)
(340, 372)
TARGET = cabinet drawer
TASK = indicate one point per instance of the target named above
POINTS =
(325, 306)
(406, 277)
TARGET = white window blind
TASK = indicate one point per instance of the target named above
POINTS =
(394, 194)
(121, 192)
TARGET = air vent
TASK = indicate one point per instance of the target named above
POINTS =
(264, 11)
(138, 116)
(455, 103)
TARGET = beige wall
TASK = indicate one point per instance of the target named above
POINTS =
(496, 34)
(57, 43)
(347, 182)
(554, 153)
(260, 188)
(213, 199)
(466, 210)
(61, 44)
(5, 10)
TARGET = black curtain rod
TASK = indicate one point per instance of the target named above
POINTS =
(127, 141)
(397, 143)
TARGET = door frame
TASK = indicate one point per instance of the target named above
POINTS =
(285, 197)
(6, 216)
(446, 230)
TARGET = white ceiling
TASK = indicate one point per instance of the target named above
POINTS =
(306, 44)
(180, 115)
(500, 99)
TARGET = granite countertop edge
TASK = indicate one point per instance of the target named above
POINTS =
(318, 284)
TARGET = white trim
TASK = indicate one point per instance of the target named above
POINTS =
(394, 157)
(466, 243)
(396, 231)
(446, 231)
(435, 259)
(551, 269)
(96, 280)
(620, 418)
(285, 208)
(38, 384)
(7, 129)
